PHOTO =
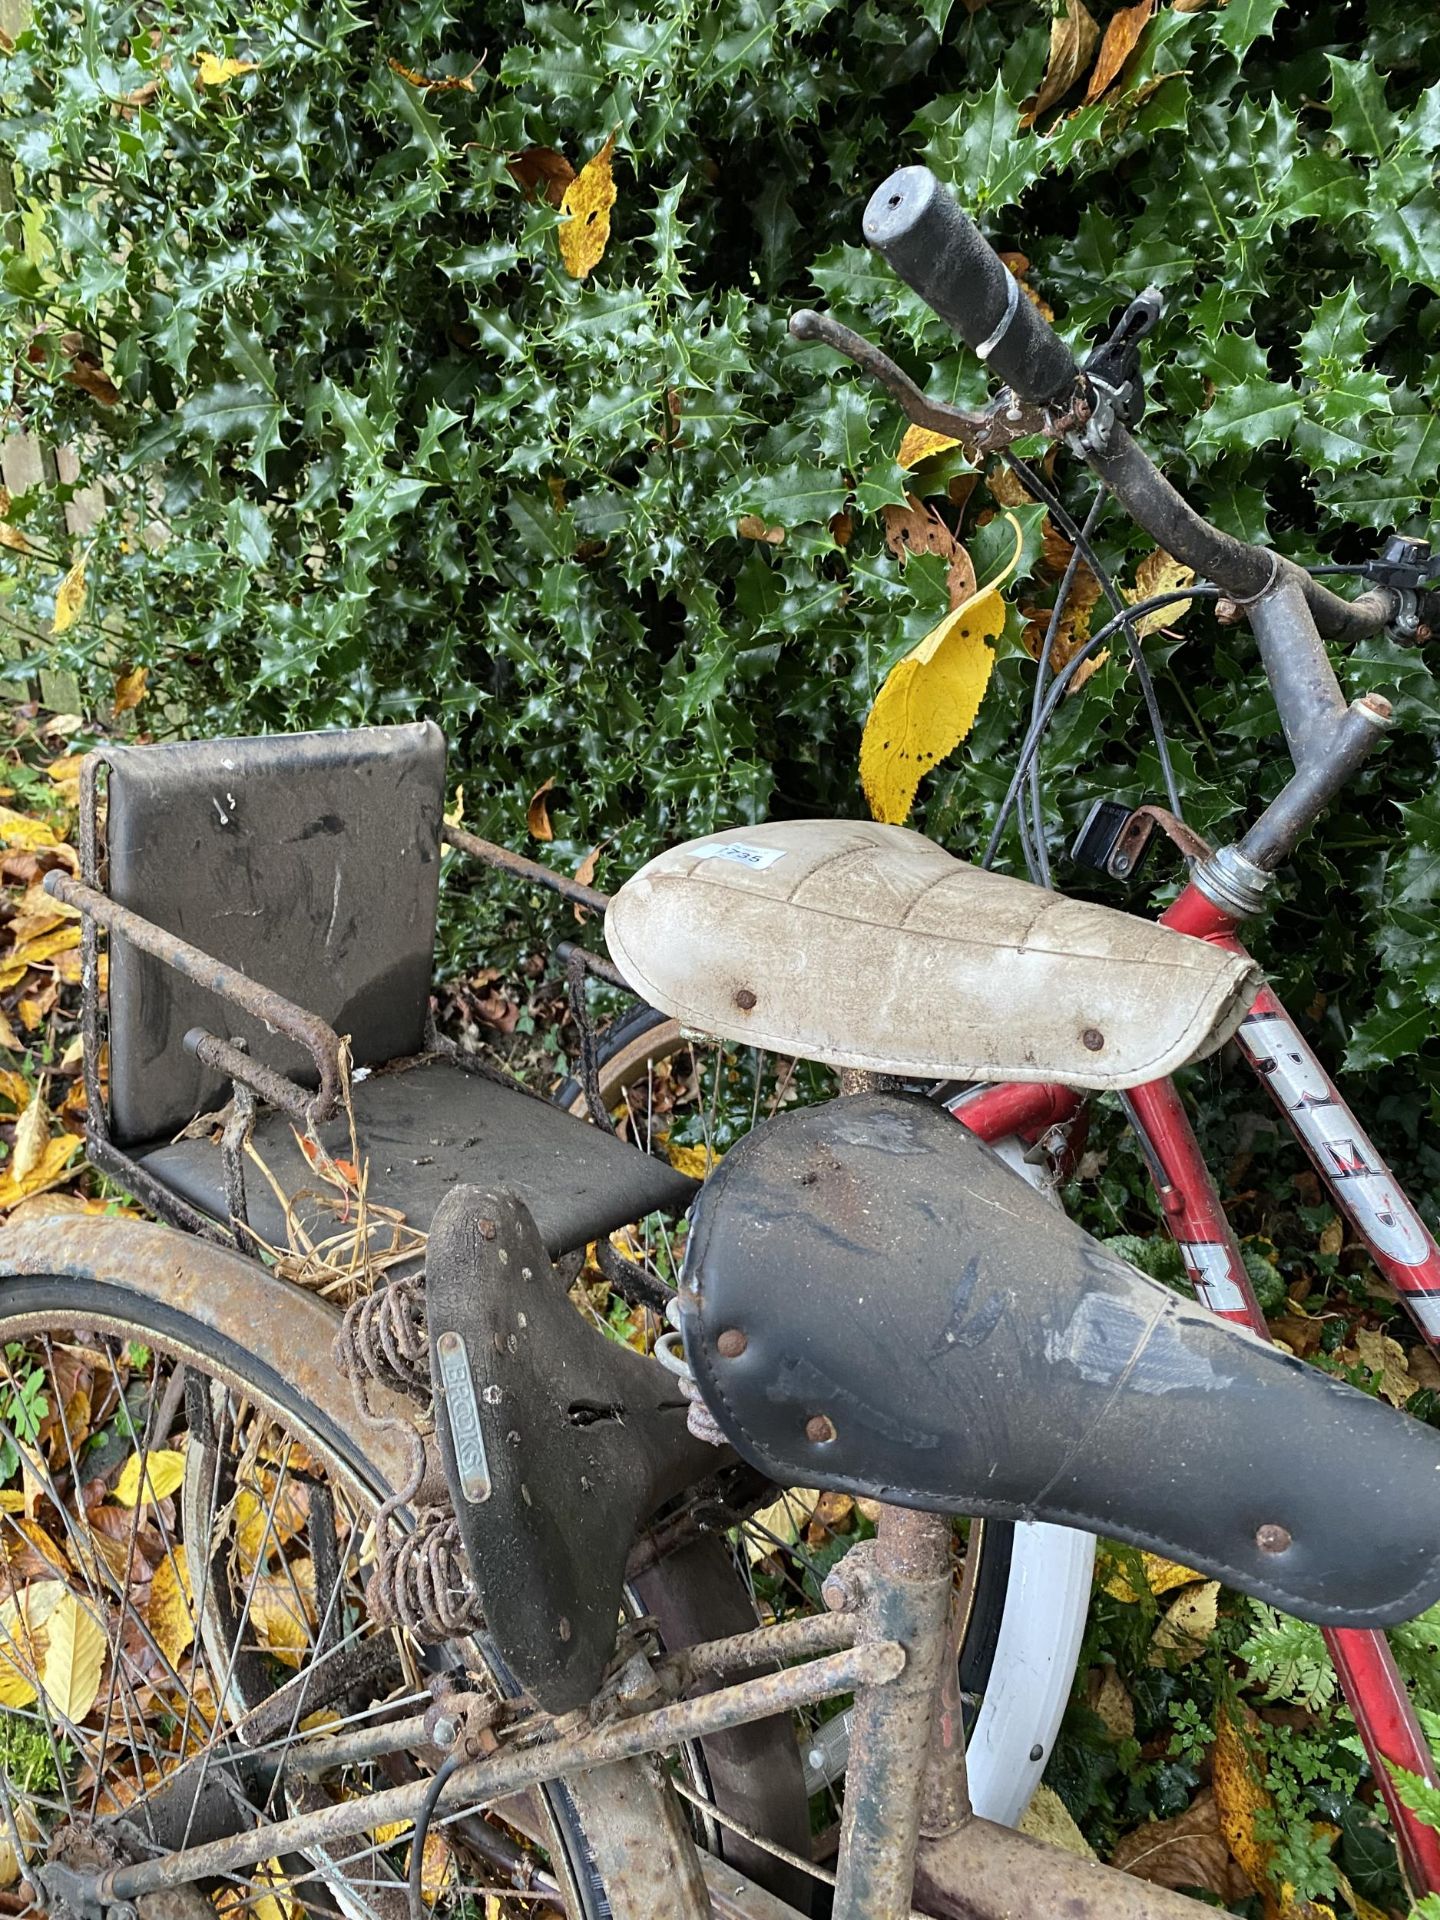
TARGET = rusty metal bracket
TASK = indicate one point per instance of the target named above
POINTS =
(308, 1030)
(519, 868)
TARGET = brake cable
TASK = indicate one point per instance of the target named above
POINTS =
(1125, 615)
(1056, 693)
(1039, 863)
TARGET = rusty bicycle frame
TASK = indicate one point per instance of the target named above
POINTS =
(908, 1833)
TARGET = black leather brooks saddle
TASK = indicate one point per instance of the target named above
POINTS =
(921, 1326)
(924, 1327)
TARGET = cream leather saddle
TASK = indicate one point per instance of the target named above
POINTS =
(864, 945)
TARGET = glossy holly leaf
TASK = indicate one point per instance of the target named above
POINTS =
(980, 147)
(1359, 113)
(1407, 239)
(1249, 416)
(1243, 22)
(1402, 1022)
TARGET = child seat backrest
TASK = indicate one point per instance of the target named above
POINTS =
(310, 862)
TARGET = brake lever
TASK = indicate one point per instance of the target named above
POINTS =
(1006, 420)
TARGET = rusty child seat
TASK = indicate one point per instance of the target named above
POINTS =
(273, 893)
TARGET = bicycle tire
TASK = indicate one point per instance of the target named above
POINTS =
(222, 1347)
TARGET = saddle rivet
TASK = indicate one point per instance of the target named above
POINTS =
(1271, 1538)
(564, 1628)
(487, 1229)
(731, 1344)
(1093, 1039)
(820, 1429)
(744, 999)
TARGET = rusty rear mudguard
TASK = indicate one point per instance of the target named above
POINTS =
(905, 1317)
(269, 1323)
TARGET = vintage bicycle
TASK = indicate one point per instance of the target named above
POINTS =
(427, 1600)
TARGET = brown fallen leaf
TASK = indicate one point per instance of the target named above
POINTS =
(83, 367)
(1380, 1354)
(750, 526)
(1006, 486)
(842, 527)
(1186, 1851)
(588, 200)
(1019, 265)
(585, 872)
(537, 814)
(544, 169)
(1073, 34)
(1122, 32)
(916, 528)
(130, 689)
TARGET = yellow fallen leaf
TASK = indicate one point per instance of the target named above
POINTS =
(1112, 1703)
(920, 443)
(10, 1041)
(130, 689)
(170, 1614)
(1184, 1629)
(50, 1168)
(442, 83)
(265, 1520)
(24, 1618)
(588, 200)
(19, 830)
(1161, 1576)
(782, 1522)
(456, 816)
(389, 1831)
(1384, 1356)
(278, 1617)
(14, 539)
(437, 1866)
(1158, 573)
(1048, 1819)
(70, 598)
(928, 704)
(1241, 1795)
(36, 952)
(32, 1136)
(213, 71)
(930, 698)
(149, 1476)
(74, 1657)
(12, 1500)
(696, 1161)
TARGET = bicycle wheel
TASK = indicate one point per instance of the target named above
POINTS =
(187, 1513)
(690, 1099)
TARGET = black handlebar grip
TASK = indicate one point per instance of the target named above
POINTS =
(919, 228)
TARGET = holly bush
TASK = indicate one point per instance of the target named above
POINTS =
(278, 280)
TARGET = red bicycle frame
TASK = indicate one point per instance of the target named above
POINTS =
(1370, 1198)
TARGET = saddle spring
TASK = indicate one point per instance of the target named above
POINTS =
(421, 1578)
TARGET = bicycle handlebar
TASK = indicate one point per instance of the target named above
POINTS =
(938, 250)
(918, 227)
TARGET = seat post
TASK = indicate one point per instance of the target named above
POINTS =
(906, 1586)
